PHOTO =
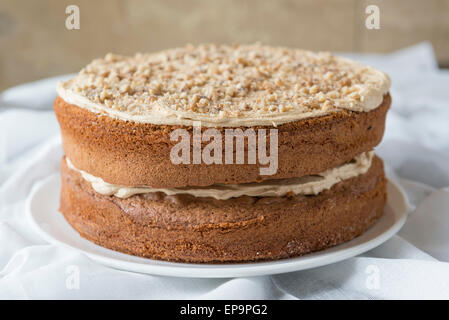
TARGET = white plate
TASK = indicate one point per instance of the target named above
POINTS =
(43, 202)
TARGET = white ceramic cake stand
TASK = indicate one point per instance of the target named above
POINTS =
(42, 207)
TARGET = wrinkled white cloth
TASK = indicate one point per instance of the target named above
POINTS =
(413, 264)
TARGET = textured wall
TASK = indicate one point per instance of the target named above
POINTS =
(35, 43)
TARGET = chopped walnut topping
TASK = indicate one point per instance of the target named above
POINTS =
(228, 81)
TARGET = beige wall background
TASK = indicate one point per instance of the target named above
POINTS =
(35, 43)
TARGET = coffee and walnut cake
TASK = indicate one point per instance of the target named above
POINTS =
(121, 189)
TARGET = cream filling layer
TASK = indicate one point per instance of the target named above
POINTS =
(306, 185)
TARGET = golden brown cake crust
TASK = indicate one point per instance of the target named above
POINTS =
(138, 154)
(205, 230)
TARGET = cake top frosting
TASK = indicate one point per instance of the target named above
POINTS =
(224, 85)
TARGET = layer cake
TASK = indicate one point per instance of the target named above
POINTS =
(313, 183)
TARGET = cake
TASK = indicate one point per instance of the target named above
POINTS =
(222, 154)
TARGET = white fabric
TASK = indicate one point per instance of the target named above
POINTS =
(413, 264)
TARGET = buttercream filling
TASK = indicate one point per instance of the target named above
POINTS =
(306, 185)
